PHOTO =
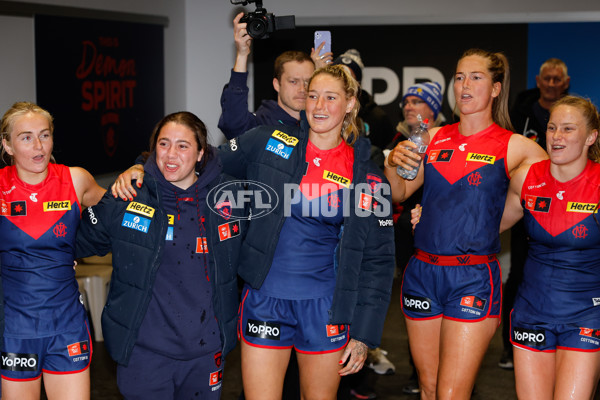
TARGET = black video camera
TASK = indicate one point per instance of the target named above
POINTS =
(261, 23)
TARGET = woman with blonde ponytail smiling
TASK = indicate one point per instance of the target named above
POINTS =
(321, 282)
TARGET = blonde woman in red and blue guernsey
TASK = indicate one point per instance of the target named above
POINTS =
(555, 322)
(319, 268)
(451, 295)
(46, 332)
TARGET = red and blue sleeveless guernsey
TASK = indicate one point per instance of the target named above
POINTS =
(561, 282)
(38, 224)
(466, 181)
(303, 264)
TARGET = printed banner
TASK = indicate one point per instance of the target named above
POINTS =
(103, 81)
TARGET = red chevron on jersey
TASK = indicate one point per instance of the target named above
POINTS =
(20, 199)
(558, 206)
(456, 156)
(328, 170)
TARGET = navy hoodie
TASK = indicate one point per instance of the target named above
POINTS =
(180, 321)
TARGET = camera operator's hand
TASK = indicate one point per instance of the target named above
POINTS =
(323, 60)
(242, 44)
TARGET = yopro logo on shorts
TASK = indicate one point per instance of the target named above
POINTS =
(19, 361)
(529, 337)
(262, 329)
(416, 303)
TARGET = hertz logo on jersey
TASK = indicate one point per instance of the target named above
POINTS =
(141, 209)
(481, 158)
(287, 139)
(588, 208)
(335, 178)
(57, 205)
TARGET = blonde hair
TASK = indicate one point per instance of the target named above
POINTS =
(500, 72)
(18, 110)
(350, 126)
(592, 119)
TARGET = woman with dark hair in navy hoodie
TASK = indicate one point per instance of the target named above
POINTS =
(170, 317)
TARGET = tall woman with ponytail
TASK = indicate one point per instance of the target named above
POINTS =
(555, 322)
(451, 295)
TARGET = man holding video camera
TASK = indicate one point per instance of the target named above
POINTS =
(293, 70)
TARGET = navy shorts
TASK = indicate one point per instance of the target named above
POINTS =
(64, 353)
(528, 334)
(463, 288)
(275, 323)
(150, 375)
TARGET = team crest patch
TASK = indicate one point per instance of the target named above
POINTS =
(374, 182)
(218, 359)
(224, 209)
(136, 222)
(276, 147)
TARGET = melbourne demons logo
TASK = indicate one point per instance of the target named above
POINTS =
(334, 200)
(224, 209)
(580, 232)
(60, 230)
(374, 182)
(474, 179)
(218, 358)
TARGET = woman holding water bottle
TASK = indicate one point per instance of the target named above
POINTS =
(451, 294)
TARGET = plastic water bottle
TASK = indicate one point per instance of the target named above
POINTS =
(420, 137)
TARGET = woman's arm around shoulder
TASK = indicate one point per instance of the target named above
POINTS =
(513, 211)
(237, 153)
(88, 191)
(523, 151)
